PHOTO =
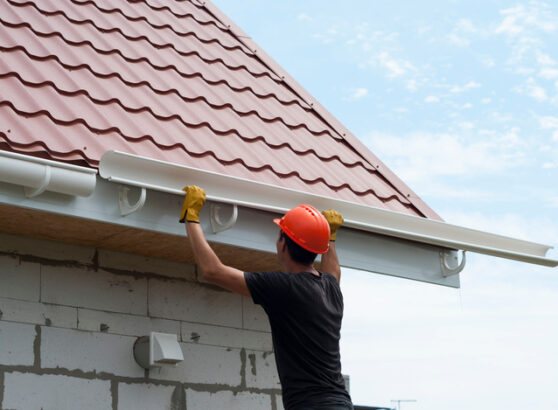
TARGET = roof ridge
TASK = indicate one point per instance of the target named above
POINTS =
(353, 142)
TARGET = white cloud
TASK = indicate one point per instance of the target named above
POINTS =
(486, 100)
(524, 70)
(548, 73)
(510, 25)
(466, 106)
(412, 85)
(458, 40)
(526, 28)
(323, 38)
(468, 86)
(304, 17)
(329, 36)
(431, 99)
(458, 36)
(533, 90)
(545, 59)
(488, 61)
(356, 94)
(394, 67)
(423, 29)
(401, 109)
(466, 25)
(421, 157)
(520, 18)
(550, 123)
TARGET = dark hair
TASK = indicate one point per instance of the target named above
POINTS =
(297, 252)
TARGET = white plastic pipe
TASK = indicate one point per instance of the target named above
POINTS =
(37, 175)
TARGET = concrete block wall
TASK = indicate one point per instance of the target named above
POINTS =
(69, 317)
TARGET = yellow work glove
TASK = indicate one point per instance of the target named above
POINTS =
(193, 203)
(335, 220)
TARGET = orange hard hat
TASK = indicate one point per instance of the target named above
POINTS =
(307, 227)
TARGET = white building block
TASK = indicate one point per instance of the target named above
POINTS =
(196, 400)
(87, 351)
(261, 371)
(204, 364)
(19, 280)
(279, 402)
(193, 302)
(38, 313)
(122, 324)
(254, 317)
(144, 264)
(40, 248)
(145, 397)
(226, 336)
(96, 290)
(16, 344)
(25, 391)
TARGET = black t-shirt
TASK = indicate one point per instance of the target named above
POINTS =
(305, 313)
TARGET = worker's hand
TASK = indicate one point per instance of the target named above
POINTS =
(335, 220)
(193, 203)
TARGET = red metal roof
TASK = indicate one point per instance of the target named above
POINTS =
(175, 81)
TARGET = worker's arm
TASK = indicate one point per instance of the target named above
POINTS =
(330, 262)
(211, 267)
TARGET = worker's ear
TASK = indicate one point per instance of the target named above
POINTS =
(282, 242)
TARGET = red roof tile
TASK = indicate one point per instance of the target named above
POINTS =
(175, 81)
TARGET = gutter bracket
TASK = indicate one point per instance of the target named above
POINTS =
(446, 270)
(216, 224)
(32, 192)
(124, 203)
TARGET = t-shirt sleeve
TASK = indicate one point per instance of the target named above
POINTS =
(268, 289)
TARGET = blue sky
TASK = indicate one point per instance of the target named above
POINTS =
(460, 99)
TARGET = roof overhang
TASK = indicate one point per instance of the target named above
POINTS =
(170, 178)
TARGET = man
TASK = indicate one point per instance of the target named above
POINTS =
(304, 306)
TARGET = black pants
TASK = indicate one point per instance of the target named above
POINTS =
(329, 407)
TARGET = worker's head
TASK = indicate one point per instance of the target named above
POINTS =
(296, 252)
(306, 232)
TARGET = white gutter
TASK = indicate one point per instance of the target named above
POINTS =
(38, 175)
(168, 177)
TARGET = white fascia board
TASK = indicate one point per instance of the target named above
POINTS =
(38, 175)
(253, 230)
(171, 178)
